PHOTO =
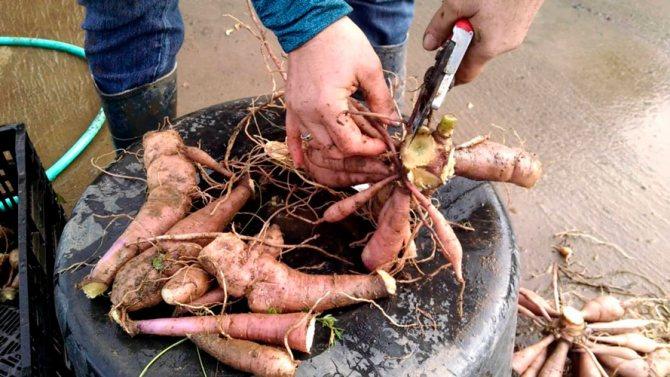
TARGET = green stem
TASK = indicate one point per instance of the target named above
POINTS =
(202, 367)
(160, 354)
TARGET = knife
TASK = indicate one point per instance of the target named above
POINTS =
(439, 78)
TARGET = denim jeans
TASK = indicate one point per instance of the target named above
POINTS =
(130, 43)
(384, 22)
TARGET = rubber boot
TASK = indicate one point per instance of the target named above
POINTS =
(134, 112)
(394, 61)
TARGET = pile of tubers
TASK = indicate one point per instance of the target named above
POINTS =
(187, 259)
(602, 341)
(197, 273)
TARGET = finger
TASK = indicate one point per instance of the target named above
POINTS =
(442, 23)
(293, 140)
(366, 127)
(338, 178)
(354, 164)
(361, 122)
(439, 28)
(315, 134)
(348, 137)
(375, 91)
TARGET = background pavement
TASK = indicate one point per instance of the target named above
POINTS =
(589, 91)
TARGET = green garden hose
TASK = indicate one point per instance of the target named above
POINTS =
(85, 139)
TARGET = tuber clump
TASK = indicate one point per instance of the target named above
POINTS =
(139, 282)
(612, 346)
(171, 184)
(248, 271)
(168, 255)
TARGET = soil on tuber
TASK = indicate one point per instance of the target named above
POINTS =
(140, 281)
(269, 284)
(246, 356)
(171, 184)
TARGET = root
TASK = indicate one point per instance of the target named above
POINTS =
(579, 234)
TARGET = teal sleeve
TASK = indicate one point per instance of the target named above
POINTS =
(295, 22)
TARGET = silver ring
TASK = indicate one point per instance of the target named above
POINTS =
(306, 136)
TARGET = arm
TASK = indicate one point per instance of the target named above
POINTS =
(296, 22)
(329, 59)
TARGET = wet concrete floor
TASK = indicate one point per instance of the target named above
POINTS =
(589, 91)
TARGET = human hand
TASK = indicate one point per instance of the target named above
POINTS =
(500, 26)
(322, 75)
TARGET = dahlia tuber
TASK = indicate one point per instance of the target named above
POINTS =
(522, 359)
(188, 284)
(264, 328)
(171, 180)
(269, 284)
(393, 232)
(138, 283)
(246, 356)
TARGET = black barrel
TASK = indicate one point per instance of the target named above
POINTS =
(478, 343)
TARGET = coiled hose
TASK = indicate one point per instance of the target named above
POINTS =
(85, 139)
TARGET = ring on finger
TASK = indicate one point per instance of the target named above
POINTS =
(305, 136)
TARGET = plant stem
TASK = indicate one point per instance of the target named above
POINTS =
(160, 354)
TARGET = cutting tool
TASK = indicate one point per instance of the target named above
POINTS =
(440, 77)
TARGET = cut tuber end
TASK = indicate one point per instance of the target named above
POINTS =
(309, 336)
(427, 157)
(420, 150)
(573, 316)
(389, 281)
(128, 326)
(424, 179)
(94, 289)
(7, 294)
(573, 320)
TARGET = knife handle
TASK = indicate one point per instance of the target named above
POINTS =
(464, 24)
(461, 37)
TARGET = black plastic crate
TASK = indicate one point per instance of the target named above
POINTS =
(32, 211)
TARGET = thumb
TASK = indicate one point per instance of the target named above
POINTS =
(376, 93)
(439, 28)
(442, 23)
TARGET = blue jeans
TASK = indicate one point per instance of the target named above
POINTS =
(130, 43)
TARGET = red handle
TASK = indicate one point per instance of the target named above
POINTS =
(464, 23)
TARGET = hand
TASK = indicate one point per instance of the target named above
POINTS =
(500, 26)
(347, 171)
(322, 75)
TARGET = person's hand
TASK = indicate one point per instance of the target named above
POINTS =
(499, 25)
(322, 75)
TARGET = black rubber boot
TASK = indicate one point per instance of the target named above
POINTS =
(394, 60)
(132, 113)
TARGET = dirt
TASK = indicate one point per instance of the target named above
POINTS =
(589, 91)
